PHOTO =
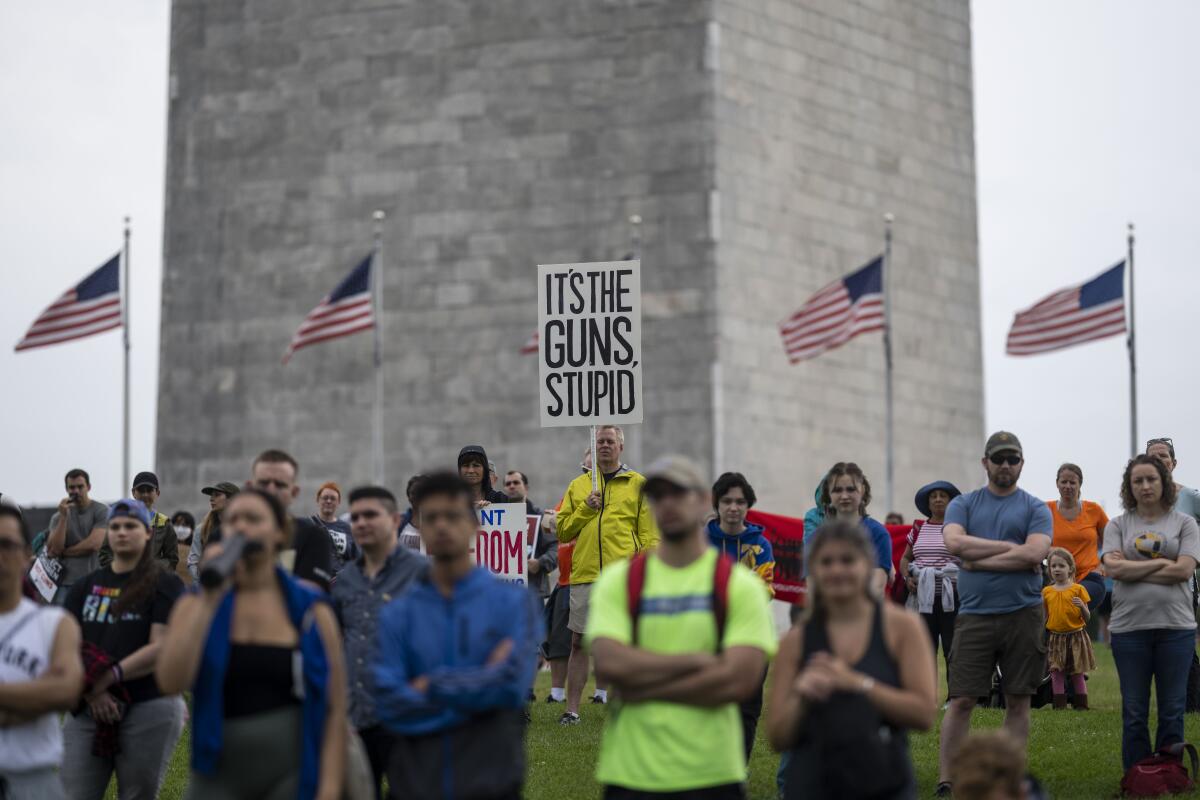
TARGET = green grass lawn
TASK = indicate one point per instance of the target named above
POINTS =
(1075, 754)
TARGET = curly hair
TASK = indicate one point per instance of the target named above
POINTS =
(1169, 491)
(841, 469)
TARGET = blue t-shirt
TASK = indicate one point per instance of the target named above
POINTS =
(1008, 519)
(875, 532)
(883, 543)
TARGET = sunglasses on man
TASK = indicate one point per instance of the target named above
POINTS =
(1012, 459)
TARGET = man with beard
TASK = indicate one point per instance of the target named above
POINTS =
(683, 634)
(1001, 533)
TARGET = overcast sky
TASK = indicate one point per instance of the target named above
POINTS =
(1084, 120)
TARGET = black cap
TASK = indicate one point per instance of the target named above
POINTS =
(146, 479)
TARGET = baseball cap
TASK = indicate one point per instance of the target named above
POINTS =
(129, 507)
(1001, 442)
(224, 487)
(145, 479)
(677, 470)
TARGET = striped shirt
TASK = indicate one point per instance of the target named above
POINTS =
(929, 549)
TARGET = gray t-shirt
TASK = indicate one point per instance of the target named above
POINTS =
(80, 523)
(1141, 605)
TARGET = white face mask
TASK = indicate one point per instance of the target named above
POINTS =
(183, 533)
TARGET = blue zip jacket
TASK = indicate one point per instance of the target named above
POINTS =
(470, 705)
(208, 691)
(750, 547)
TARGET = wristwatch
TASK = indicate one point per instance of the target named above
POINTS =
(868, 683)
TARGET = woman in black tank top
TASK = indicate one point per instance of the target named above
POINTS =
(850, 681)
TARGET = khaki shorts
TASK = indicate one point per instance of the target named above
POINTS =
(581, 594)
(1012, 641)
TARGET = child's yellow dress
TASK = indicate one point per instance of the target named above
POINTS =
(1068, 648)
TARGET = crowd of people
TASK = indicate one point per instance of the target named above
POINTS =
(329, 656)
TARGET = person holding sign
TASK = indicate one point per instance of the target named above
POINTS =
(678, 666)
(454, 663)
(608, 523)
(475, 469)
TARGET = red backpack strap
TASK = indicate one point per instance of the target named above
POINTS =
(720, 604)
(916, 529)
(635, 581)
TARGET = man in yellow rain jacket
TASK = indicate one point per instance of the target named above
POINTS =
(608, 525)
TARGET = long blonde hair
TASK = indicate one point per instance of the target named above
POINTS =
(831, 531)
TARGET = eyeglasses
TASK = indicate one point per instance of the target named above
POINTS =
(1167, 440)
(1000, 458)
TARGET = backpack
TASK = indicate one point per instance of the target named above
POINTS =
(636, 582)
(1162, 773)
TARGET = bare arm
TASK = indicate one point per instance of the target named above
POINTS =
(880, 578)
(630, 668)
(187, 630)
(905, 563)
(57, 537)
(1019, 558)
(89, 545)
(58, 688)
(731, 678)
(785, 707)
(912, 705)
(333, 744)
(971, 548)
(135, 665)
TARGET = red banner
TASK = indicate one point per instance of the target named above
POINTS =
(786, 535)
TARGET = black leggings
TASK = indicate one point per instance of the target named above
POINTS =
(941, 628)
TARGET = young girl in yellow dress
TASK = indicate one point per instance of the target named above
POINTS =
(1068, 648)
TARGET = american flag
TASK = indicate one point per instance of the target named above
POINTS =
(531, 345)
(92, 306)
(836, 314)
(344, 311)
(1071, 316)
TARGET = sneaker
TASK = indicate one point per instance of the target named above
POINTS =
(550, 699)
(943, 790)
(568, 718)
(598, 700)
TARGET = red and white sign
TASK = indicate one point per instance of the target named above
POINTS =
(501, 545)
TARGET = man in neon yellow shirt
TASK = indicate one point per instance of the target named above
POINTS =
(676, 726)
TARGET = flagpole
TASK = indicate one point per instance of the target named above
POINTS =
(126, 291)
(1130, 343)
(890, 433)
(377, 292)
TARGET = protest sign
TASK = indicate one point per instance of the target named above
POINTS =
(500, 544)
(590, 343)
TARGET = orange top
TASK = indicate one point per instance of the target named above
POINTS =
(1080, 536)
(1063, 616)
(564, 556)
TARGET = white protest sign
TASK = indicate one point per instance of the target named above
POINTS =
(590, 343)
(500, 544)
